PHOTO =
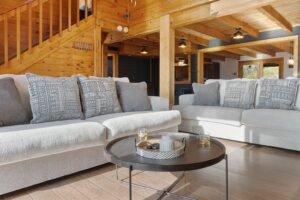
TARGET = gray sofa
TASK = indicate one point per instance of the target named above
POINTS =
(35, 153)
(270, 127)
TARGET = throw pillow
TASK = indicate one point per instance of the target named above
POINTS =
(240, 94)
(53, 99)
(206, 94)
(277, 94)
(12, 110)
(99, 96)
(133, 96)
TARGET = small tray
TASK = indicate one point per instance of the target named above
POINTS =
(141, 149)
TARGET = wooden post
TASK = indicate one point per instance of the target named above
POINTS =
(77, 12)
(18, 31)
(200, 67)
(5, 40)
(167, 58)
(29, 27)
(40, 22)
(69, 15)
(86, 9)
(97, 51)
(296, 57)
(51, 19)
(60, 17)
(104, 60)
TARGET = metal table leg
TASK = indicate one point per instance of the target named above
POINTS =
(226, 160)
(130, 185)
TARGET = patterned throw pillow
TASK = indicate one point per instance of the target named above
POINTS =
(276, 94)
(53, 99)
(240, 94)
(99, 96)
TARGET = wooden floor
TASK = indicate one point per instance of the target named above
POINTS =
(255, 173)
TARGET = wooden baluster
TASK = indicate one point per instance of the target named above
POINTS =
(29, 27)
(69, 14)
(18, 33)
(77, 13)
(86, 9)
(40, 22)
(60, 17)
(5, 40)
(51, 19)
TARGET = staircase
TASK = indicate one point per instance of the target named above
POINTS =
(34, 29)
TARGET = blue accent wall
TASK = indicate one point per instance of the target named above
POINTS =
(262, 36)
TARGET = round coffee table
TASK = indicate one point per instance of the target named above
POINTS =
(122, 152)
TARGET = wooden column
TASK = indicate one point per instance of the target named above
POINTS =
(97, 51)
(167, 58)
(40, 22)
(60, 17)
(5, 40)
(29, 27)
(69, 14)
(50, 19)
(296, 54)
(200, 67)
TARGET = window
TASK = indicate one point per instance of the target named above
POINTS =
(254, 69)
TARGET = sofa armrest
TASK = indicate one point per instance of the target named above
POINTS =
(186, 99)
(159, 103)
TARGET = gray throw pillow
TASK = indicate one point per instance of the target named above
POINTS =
(240, 94)
(99, 96)
(53, 99)
(12, 111)
(133, 96)
(206, 94)
(277, 94)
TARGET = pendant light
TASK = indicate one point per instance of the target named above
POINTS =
(238, 35)
(144, 51)
(182, 43)
(291, 59)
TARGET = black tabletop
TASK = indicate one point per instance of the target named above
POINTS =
(122, 152)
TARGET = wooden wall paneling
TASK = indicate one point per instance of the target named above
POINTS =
(167, 58)
(97, 51)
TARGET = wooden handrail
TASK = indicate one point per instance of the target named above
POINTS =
(27, 6)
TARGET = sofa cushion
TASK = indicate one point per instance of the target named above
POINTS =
(12, 110)
(99, 96)
(123, 124)
(272, 119)
(33, 140)
(206, 94)
(21, 83)
(276, 94)
(133, 96)
(54, 99)
(240, 94)
(218, 114)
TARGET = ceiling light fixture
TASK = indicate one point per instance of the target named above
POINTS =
(238, 35)
(291, 61)
(144, 51)
(182, 43)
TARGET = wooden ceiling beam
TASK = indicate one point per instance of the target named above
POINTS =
(227, 54)
(234, 22)
(214, 57)
(283, 47)
(263, 50)
(242, 52)
(185, 33)
(210, 31)
(278, 18)
(142, 42)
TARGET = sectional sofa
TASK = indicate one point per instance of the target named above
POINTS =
(270, 127)
(35, 153)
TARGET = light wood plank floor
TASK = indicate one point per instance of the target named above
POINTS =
(255, 173)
